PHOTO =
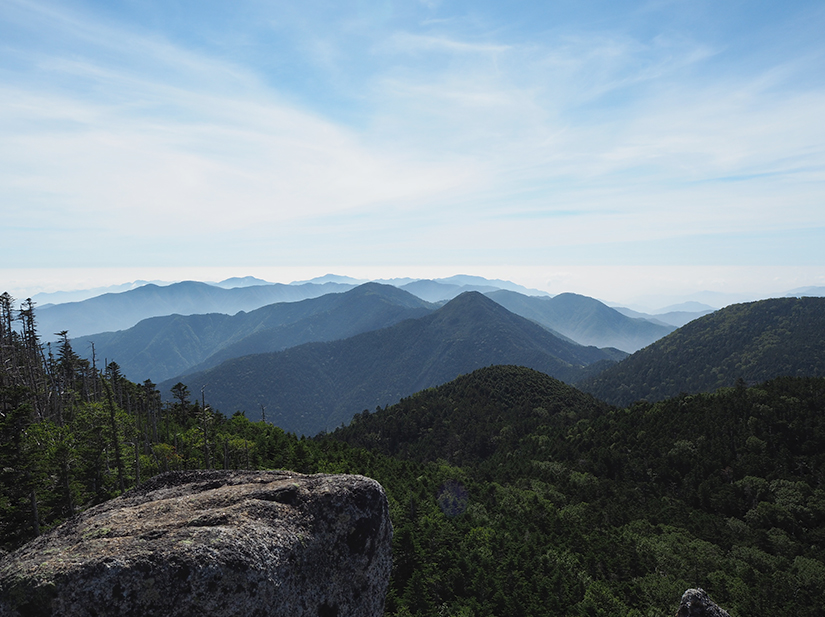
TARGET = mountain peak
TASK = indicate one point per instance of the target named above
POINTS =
(472, 300)
(331, 278)
(245, 281)
(389, 292)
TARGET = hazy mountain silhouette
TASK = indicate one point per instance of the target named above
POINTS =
(677, 319)
(814, 291)
(318, 386)
(117, 311)
(435, 291)
(162, 347)
(241, 281)
(584, 320)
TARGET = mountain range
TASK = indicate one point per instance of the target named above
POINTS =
(161, 348)
(676, 316)
(117, 311)
(443, 289)
(376, 344)
(124, 306)
(584, 320)
(318, 386)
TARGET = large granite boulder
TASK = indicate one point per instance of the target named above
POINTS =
(697, 603)
(205, 543)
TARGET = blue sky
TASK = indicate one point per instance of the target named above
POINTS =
(535, 141)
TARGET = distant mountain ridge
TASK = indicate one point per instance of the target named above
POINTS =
(44, 299)
(435, 291)
(162, 347)
(753, 342)
(318, 386)
(444, 289)
(125, 305)
(117, 311)
(584, 320)
(466, 279)
(813, 291)
(241, 281)
(674, 318)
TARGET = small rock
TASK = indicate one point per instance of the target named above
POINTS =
(204, 543)
(697, 603)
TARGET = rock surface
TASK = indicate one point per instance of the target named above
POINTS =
(205, 543)
(697, 603)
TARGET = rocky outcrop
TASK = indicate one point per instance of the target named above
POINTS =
(205, 543)
(697, 603)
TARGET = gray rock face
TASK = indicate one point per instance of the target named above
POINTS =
(206, 543)
(697, 603)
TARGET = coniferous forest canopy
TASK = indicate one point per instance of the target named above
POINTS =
(511, 493)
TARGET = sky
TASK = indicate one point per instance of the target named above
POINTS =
(616, 148)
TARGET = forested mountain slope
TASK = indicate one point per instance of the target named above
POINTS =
(117, 311)
(470, 419)
(584, 320)
(753, 342)
(549, 503)
(163, 347)
(318, 386)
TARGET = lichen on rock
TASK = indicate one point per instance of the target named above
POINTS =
(697, 603)
(251, 543)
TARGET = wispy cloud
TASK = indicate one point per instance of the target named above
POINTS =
(409, 43)
(215, 150)
(381, 135)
